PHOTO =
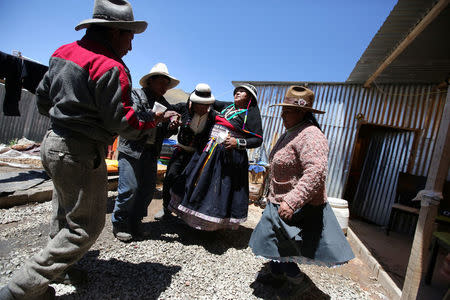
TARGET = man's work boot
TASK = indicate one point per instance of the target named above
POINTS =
(122, 234)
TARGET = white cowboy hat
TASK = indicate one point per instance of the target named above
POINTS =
(202, 94)
(115, 14)
(248, 87)
(159, 69)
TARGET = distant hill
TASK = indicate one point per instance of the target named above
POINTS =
(175, 96)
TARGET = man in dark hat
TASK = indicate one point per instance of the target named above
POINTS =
(87, 95)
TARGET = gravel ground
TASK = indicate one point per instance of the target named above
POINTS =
(175, 262)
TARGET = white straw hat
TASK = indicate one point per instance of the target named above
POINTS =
(202, 94)
(159, 69)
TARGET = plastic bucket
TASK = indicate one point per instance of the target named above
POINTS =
(340, 209)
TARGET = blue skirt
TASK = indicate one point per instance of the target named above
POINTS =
(312, 236)
(212, 192)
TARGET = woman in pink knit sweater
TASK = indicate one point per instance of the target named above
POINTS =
(298, 225)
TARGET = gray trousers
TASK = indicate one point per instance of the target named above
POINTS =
(77, 168)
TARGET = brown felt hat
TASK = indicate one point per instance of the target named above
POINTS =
(299, 97)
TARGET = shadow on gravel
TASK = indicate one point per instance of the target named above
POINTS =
(216, 242)
(115, 279)
(174, 229)
(306, 291)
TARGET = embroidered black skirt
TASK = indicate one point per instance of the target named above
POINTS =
(212, 192)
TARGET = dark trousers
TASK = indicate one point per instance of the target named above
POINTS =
(179, 160)
(137, 181)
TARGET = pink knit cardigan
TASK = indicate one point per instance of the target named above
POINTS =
(298, 167)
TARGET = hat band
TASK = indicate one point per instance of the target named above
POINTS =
(203, 94)
(105, 17)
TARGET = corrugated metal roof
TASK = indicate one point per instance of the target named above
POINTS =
(425, 60)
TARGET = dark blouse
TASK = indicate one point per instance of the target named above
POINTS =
(252, 129)
(186, 136)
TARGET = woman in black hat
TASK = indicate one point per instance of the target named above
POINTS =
(298, 225)
(213, 191)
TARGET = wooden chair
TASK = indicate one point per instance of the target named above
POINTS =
(408, 186)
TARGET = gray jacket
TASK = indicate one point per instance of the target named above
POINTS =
(86, 92)
(144, 100)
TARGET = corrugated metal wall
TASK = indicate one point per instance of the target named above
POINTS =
(406, 106)
(30, 124)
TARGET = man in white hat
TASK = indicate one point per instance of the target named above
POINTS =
(138, 158)
(197, 118)
(87, 95)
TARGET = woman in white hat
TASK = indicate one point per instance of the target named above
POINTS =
(298, 225)
(213, 191)
(197, 119)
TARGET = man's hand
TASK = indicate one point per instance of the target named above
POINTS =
(168, 114)
(285, 211)
(165, 116)
(230, 143)
(158, 117)
(175, 122)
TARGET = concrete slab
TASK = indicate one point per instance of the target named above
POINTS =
(41, 193)
(21, 180)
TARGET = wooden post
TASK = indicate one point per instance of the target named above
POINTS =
(435, 181)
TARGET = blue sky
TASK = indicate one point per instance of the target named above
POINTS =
(214, 41)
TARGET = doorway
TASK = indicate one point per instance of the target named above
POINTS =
(380, 153)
